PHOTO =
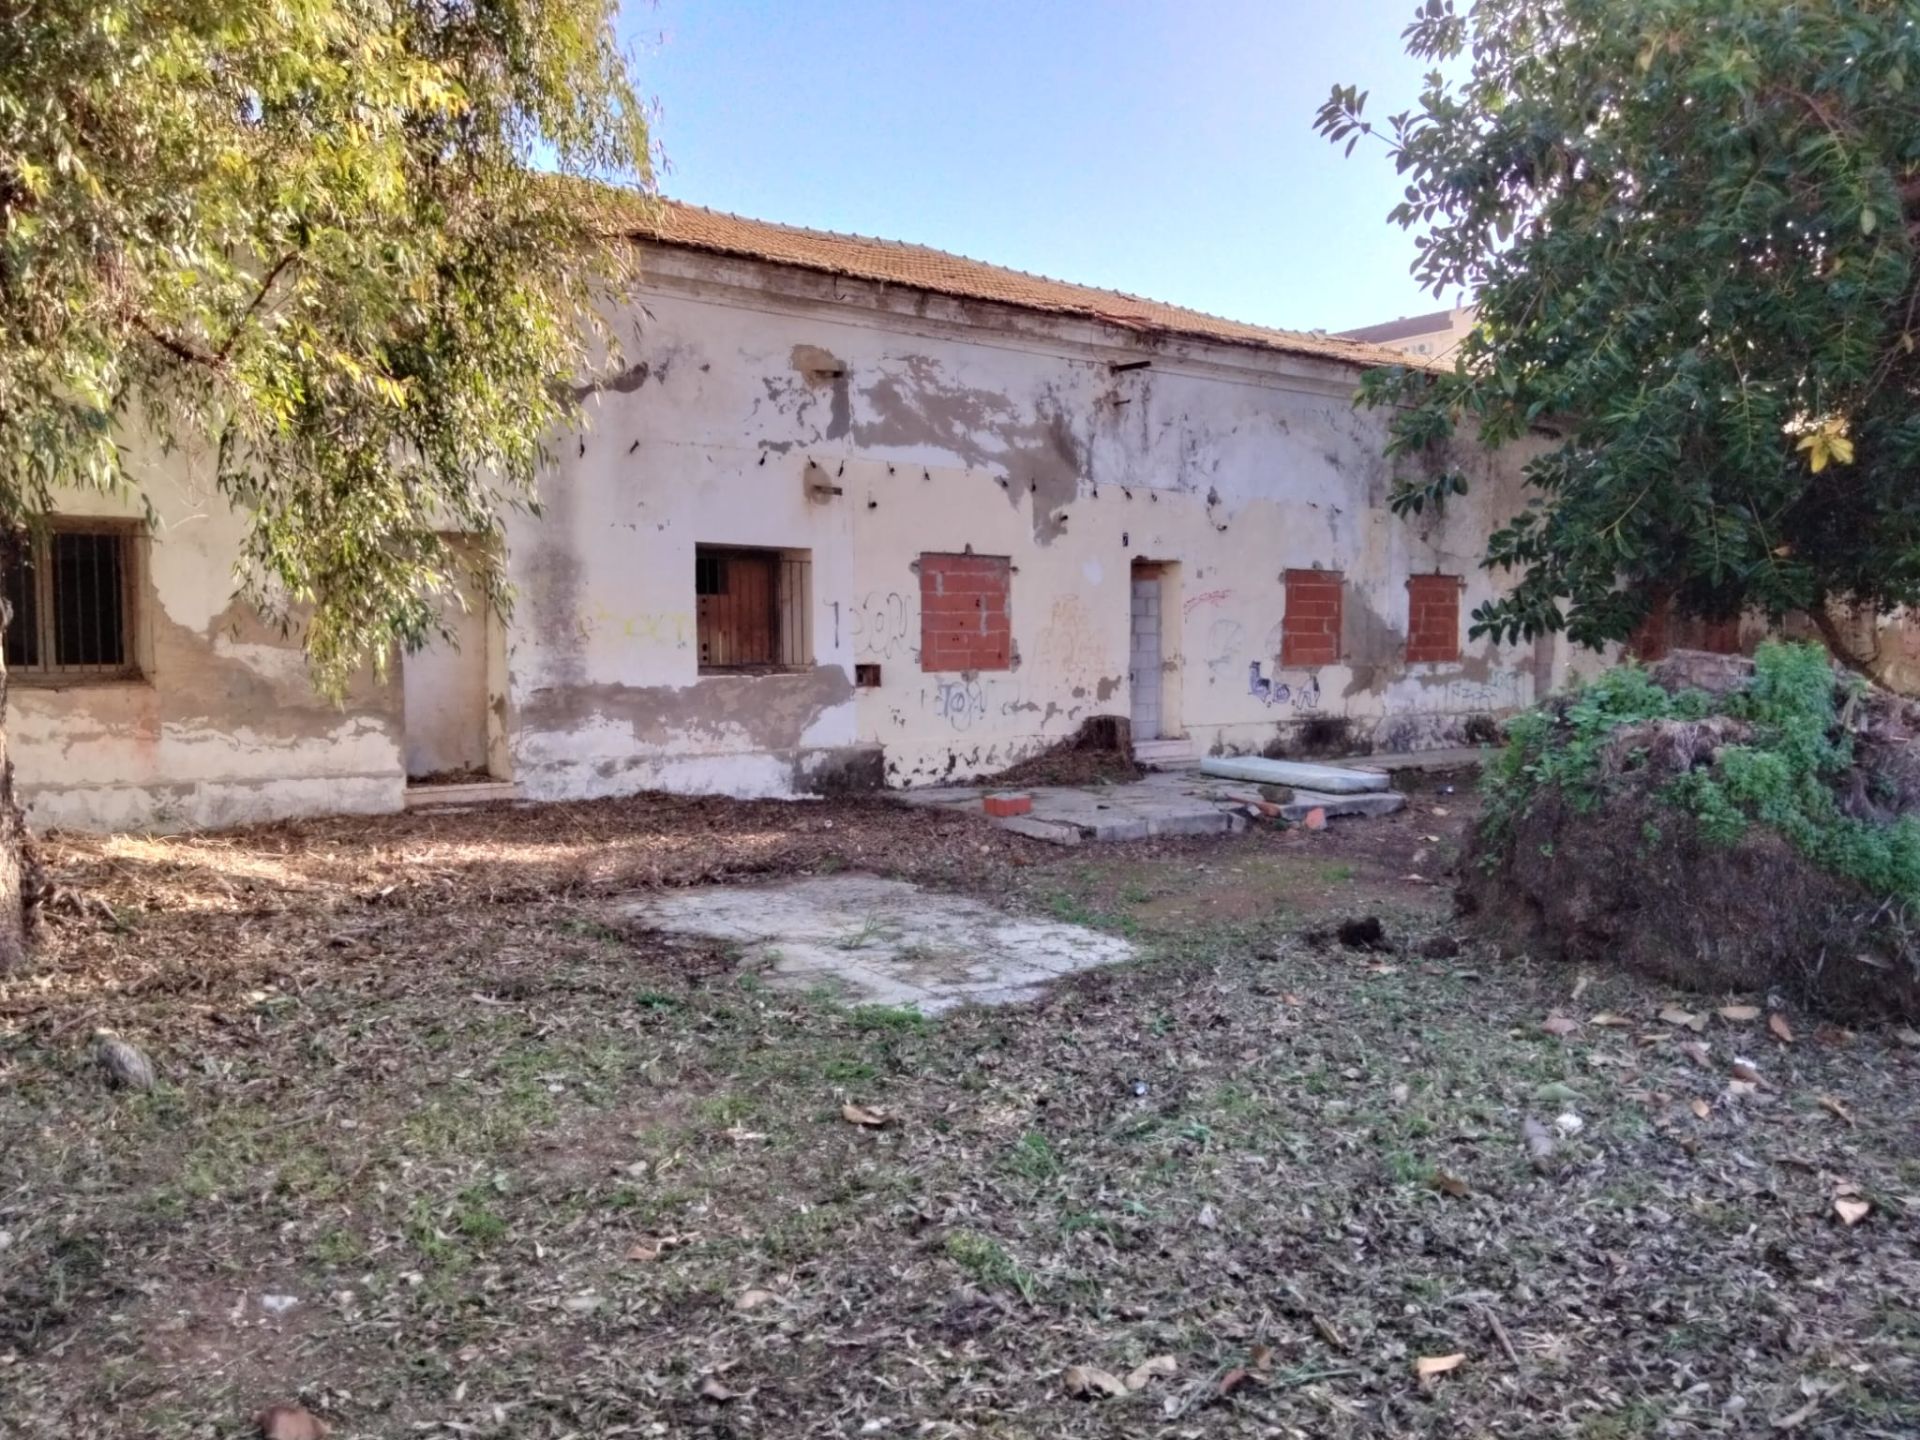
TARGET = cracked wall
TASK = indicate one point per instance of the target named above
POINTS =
(222, 727)
(860, 427)
(876, 430)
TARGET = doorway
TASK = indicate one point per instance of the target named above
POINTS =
(446, 689)
(1145, 658)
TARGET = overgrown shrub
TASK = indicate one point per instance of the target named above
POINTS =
(1764, 835)
(1786, 774)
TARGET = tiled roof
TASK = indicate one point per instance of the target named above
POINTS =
(919, 267)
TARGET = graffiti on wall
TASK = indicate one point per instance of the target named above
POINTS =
(654, 627)
(1068, 653)
(1435, 715)
(972, 704)
(1271, 692)
(1226, 640)
(1203, 599)
(884, 624)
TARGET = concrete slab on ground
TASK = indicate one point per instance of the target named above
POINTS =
(1326, 779)
(1462, 757)
(1367, 802)
(882, 942)
(1160, 803)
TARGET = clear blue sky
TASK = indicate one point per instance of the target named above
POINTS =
(1154, 146)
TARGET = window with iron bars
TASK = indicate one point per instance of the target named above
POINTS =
(751, 608)
(69, 594)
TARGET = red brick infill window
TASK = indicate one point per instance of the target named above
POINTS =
(1310, 623)
(966, 612)
(1433, 617)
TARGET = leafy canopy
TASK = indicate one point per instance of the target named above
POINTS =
(310, 236)
(1690, 229)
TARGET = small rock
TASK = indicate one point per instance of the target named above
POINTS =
(1539, 1142)
(1366, 933)
(290, 1422)
(125, 1065)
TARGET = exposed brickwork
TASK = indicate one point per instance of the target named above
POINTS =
(1310, 623)
(1005, 806)
(1652, 638)
(966, 612)
(1433, 617)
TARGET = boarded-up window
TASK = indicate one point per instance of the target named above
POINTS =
(751, 608)
(966, 612)
(1310, 623)
(70, 594)
(1433, 617)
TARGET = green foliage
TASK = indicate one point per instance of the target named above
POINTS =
(1783, 777)
(308, 244)
(1690, 227)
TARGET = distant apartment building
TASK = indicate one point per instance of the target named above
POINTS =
(1433, 335)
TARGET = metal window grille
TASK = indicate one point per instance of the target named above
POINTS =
(751, 608)
(70, 597)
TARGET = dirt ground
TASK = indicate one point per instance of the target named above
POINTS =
(443, 1148)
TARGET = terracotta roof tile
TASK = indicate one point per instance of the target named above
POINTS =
(919, 267)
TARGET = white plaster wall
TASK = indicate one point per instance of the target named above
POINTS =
(750, 394)
(947, 427)
(222, 727)
(605, 692)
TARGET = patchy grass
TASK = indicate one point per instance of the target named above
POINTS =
(526, 1172)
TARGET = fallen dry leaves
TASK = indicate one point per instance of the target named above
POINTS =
(1833, 1106)
(1453, 1185)
(865, 1115)
(1782, 1031)
(1739, 1012)
(1090, 1382)
(557, 988)
(1686, 1019)
(1560, 1026)
(1147, 1371)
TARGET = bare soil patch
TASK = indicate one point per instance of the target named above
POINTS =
(526, 1172)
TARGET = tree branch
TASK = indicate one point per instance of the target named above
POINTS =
(254, 304)
(1838, 646)
(177, 348)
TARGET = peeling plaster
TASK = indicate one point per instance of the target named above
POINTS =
(745, 712)
(1039, 455)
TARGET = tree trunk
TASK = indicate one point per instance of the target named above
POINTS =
(19, 874)
(1842, 649)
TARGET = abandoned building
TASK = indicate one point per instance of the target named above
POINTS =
(852, 512)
